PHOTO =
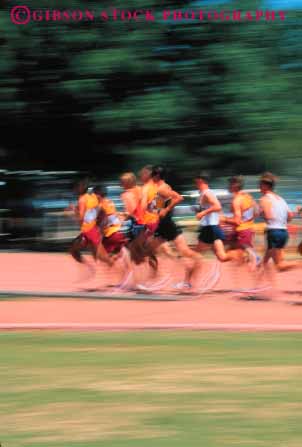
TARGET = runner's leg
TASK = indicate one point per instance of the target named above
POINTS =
(221, 254)
(280, 263)
(76, 246)
(189, 254)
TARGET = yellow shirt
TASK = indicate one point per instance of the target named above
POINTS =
(91, 205)
(150, 215)
(247, 212)
(111, 222)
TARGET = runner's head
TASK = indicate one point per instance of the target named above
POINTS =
(202, 180)
(145, 173)
(82, 186)
(128, 180)
(267, 182)
(158, 174)
(236, 183)
(100, 192)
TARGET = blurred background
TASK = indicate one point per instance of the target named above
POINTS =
(106, 97)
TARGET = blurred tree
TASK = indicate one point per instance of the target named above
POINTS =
(109, 96)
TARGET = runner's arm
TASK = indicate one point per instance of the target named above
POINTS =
(81, 209)
(266, 208)
(256, 209)
(72, 211)
(215, 206)
(290, 215)
(144, 199)
(237, 214)
(101, 216)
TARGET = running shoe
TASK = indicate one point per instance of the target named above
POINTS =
(183, 285)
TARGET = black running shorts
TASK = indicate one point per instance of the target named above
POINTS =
(167, 229)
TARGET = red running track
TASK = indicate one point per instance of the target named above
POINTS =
(49, 274)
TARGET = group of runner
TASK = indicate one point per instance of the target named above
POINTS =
(146, 226)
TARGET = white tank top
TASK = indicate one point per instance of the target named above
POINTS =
(279, 211)
(211, 218)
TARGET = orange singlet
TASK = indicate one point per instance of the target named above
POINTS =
(247, 207)
(150, 216)
(89, 227)
(111, 223)
(89, 219)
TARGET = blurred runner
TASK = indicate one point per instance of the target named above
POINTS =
(131, 197)
(114, 239)
(210, 233)
(109, 223)
(149, 215)
(167, 230)
(276, 214)
(140, 228)
(86, 211)
(244, 210)
(299, 213)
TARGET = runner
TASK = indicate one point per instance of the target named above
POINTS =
(244, 211)
(114, 239)
(148, 203)
(109, 223)
(148, 199)
(276, 214)
(86, 212)
(131, 197)
(210, 233)
(167, 230)
(298, 214)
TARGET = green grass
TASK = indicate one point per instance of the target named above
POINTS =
(158, 389)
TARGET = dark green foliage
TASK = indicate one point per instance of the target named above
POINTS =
(222, 96)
